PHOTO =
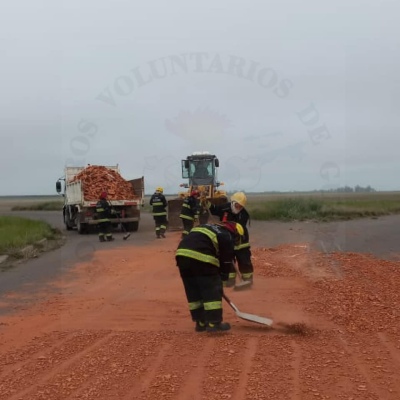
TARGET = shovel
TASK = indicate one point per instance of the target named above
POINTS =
(242, 284)
(246, 316)
(127, 234)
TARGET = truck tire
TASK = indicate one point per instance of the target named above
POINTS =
(67, 223)
(131, 226)
(81, 228)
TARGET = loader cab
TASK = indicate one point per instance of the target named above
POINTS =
(200, 170)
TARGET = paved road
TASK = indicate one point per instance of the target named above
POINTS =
(377, 236)
(34, 274)
(380, 237)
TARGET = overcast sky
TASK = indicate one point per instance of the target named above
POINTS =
(290, 95)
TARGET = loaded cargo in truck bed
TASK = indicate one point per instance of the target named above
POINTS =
(82, 189)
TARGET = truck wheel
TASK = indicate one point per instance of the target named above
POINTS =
(81, 228)
(132, 226)
(68, 227)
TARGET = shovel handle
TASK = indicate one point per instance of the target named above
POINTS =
(226, 298)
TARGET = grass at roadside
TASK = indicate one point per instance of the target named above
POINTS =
(322, 208)
(17, 232)
(40, 206)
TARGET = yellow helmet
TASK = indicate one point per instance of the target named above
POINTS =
(160, 189)
(233, 227)
(239, 229)
(240, 198)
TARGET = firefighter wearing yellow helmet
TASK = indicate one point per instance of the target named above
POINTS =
(159, 204)
(235, 211)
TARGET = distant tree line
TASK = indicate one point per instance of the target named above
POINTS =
(349, 189)
(344, 189)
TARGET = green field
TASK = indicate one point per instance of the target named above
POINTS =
(322, 206)
(8, 203)
(266, 206)
(17, 232)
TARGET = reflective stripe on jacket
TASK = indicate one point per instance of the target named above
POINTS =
(208, 243)
(159, 204)
(190, 209)
(103, 210)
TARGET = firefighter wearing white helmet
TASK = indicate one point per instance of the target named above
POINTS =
(235, 211)
(159, 204)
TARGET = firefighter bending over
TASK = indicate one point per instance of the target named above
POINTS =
(235, 211)
(204, 258)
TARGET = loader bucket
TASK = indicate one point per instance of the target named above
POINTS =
(219, 200)
(174, 210)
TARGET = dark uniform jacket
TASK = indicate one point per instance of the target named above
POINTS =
(241, 218)
(159, 203)
(103, 210)
(190, 208)
(211, 244)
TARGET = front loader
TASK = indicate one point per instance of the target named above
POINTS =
(200, 169)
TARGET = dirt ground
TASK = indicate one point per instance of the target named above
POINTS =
(119, 328)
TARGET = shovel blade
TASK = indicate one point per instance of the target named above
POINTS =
(247, 316)
(254, 318)
(243, 285)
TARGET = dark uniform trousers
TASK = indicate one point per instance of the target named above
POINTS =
(243, 258)
(187, 226)
(202, 281)
(161, 224)
(105, 230)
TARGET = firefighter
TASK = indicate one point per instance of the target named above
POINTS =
(159, 204)
(190, 212)
(235, 211)
(104, 211)
(204, 258)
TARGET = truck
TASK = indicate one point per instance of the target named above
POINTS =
(201, 171)
(78, 186)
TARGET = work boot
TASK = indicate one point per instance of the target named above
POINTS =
(110, 239)
(200, 326)
(218, 327)
(163, 235)
(101, 239)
